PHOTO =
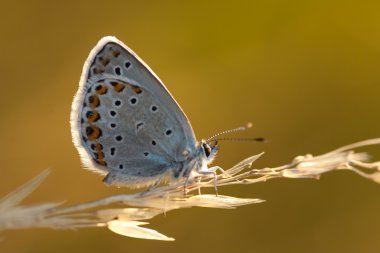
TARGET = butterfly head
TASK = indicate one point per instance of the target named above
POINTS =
(209, 150)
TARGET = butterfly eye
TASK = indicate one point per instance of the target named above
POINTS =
(207, 149)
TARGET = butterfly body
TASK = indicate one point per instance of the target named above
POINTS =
(127, 126)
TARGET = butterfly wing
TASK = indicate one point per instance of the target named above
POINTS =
(124, 121)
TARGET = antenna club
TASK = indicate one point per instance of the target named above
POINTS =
(249, 125)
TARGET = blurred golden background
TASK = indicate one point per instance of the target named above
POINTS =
(306, 73)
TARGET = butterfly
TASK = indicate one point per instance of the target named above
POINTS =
(127, 126)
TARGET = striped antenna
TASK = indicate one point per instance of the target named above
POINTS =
(238, 129)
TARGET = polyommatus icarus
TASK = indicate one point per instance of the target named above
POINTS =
(127, 126)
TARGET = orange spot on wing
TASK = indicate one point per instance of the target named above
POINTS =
(104, 61)
(136, 89)
(101, 89)
(94, 101)
(99, 154)
(98, 71)
(119, 87)
(115, 53)
(93, 132)
(92, 116)
(101, 162)
(98, 147)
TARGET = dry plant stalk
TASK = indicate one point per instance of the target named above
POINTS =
(146, 205)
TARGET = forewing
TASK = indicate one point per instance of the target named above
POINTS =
(123, 118)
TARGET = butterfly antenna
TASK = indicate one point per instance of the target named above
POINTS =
(258, 139)
(238, 129)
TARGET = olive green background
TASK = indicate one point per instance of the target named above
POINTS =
(306, 73)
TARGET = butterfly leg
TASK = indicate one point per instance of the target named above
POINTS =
(211, 172)
(217, 168)
(199, 188)
(186, 184)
